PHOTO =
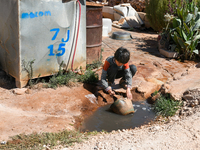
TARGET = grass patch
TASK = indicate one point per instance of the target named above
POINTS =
(69, 77)
(37, 141)
(165, 106)
(61, 78)
(88, 77)
(94, 65)
(66, 78)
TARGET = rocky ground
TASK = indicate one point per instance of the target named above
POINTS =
(50, 110)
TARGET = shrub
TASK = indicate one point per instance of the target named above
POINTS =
(88, 77)
(62, 79)
(165, 106)
(182, 30)
(156, 9)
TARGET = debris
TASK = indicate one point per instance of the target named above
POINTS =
(3, 143)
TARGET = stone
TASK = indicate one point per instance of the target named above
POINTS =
(189, 82)
(19, 91)
(147, 88)
(198, 65)
(104, 98)
(165, 88)
(175, 118)
(188, 97)
(28, 91)
(152, 99)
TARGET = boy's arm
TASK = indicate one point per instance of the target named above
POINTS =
(128, 78)
(104, 81)
(104, 75)
(128, 75)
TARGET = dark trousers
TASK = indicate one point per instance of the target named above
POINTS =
(121, 73)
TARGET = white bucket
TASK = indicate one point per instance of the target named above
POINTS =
(105, 31)
(108, 23)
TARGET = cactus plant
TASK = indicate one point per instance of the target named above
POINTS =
(156, 9)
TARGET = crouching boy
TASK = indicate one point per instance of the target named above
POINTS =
(116, 67)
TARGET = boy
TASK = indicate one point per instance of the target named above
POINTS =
(116, 67)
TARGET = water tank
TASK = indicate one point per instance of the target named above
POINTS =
(37, 36)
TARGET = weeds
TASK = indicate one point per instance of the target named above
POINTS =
(28, 67)
(88, 77)
(37, 141)
(95, 64)
(66, 78)
(165, 106)
(63, 77)
(154, 93)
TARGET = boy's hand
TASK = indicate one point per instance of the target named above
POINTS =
(111, 92)
(129, 94)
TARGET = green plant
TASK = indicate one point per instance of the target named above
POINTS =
(62, 78)
(154, 93)
(182, 31)
(155, 10)
(88, 77)
(37, 141)
(165, 106)
(95, 64)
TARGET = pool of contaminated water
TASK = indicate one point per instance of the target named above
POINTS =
(104, 119)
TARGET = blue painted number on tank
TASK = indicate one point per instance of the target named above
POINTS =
(61, 47)
(51, 50)
(68, 31)
(55, 35)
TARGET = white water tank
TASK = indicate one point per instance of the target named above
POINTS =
(41, 32)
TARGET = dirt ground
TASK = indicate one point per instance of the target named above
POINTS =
(51, 110)
(43, 110)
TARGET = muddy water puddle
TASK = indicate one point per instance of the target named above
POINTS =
(103, 119)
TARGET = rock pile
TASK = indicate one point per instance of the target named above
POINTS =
(191, 101)
(192, 97)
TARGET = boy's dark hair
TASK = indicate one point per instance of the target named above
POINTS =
(122, 55)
